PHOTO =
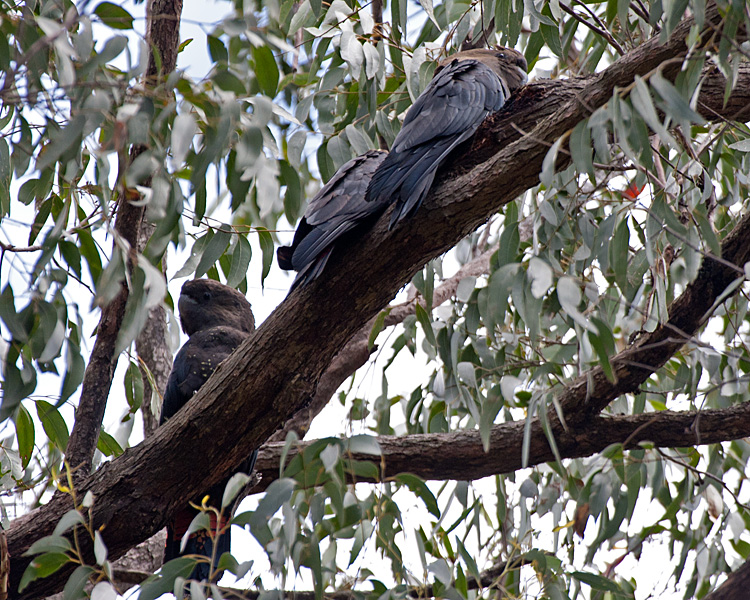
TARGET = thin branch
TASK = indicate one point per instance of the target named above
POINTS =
(703, 474)
(11, 248)
(598, 30)
(377, 17)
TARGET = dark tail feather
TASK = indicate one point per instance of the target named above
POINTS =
(312, 270)
(284, 257)
(406, 178)
(200, 543)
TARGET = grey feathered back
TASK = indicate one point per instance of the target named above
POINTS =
(466, 88)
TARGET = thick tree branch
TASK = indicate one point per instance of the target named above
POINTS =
(97, 379)
(255, 391)
(461, 456)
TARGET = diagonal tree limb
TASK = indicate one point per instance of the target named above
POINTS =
(275, 372)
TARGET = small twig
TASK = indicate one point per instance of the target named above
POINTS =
(602, 32)
(705, 474)
(11, 248)
(639, 11)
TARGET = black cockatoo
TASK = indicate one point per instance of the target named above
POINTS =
(336, 209)
(466, 88)
(217, 318)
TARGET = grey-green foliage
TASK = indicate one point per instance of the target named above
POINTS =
(586, 261)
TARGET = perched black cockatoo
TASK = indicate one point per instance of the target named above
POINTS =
(336, 209)
(217, 318)
(466, 88)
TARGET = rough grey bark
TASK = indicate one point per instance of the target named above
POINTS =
(4, 565)
(152, 345)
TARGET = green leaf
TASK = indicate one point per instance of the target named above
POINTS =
(217, 50)
(597, 582)
(100, 549)
(569, 295)
(53, 424)
(339, 150)
(25, 435)
(200, 522)
(42, 566)
(498, 290)
(428, 8)
(302, 18)
(114, 16)
(90, 252)
(133, 387)
(266, 70)
(603, 343)
(581, 150)
(364, 444)
(541, 276)
(50, 543)
(471, 564)
(108, 445)
(419, 487)
(618, 254)
(216, 246)
(293, 196)
(279, 492)
(377, 327)
(741, 146)
(548, 164)
(424, 319)
(234, 486)
(10, 317)
(551, 36)
(678, 106)
(230, 82)
(157, 585)
(184, 129)
(196, 252)
(266, 245)
(241, 256)
(77, 582)
(69, 520)
(642, 102)
(184, 45)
